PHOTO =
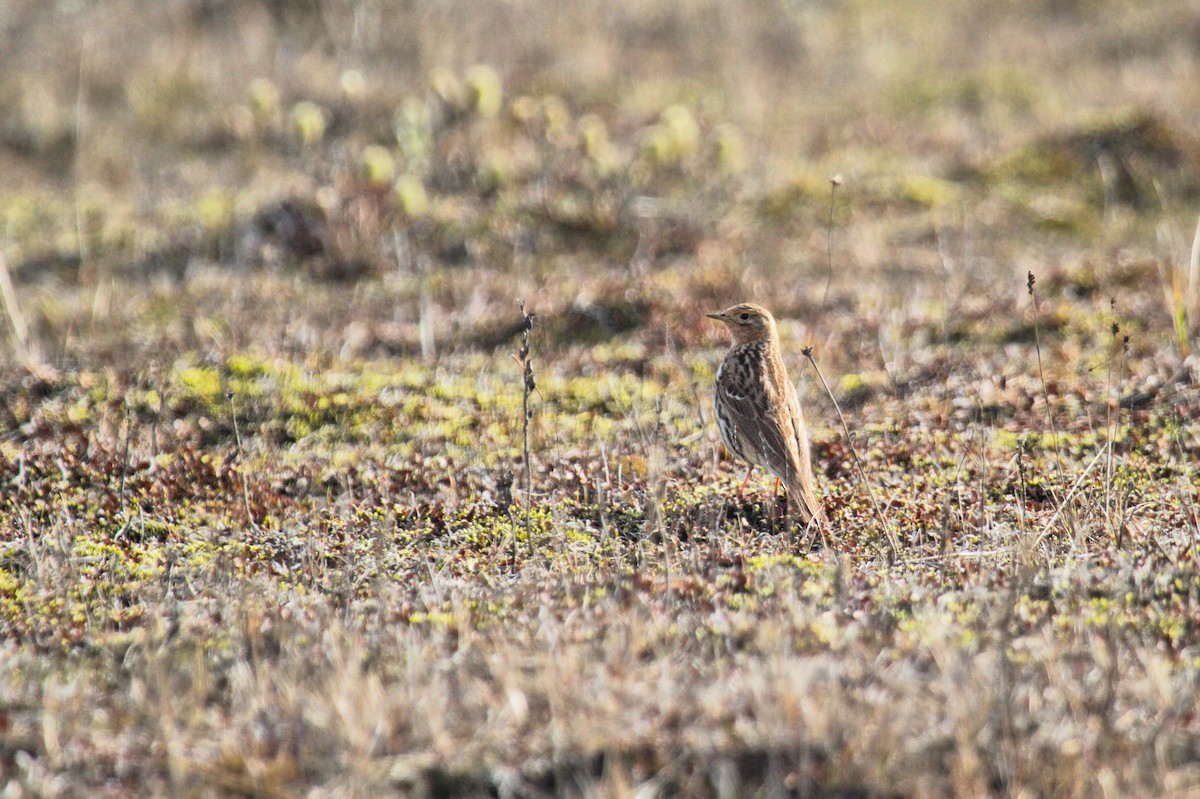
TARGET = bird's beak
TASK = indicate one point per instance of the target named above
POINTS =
(720, 317)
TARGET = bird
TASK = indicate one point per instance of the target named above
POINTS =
(758, 413)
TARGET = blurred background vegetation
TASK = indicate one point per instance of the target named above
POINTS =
(532, 139)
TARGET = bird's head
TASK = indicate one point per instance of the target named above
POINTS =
(747, 322)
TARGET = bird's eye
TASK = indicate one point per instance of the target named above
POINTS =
(745, 316)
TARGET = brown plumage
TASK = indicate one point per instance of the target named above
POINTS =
(757, 410)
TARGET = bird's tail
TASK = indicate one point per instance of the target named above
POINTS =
(802, 493)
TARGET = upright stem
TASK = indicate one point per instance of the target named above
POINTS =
(527, 387)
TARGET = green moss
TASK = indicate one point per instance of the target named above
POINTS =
(485, 94)
(772, 560)
(201, 384)
(169, 104)
(432, 617)
(1103, 612)
(929, 192)
(804, 188)
(1004, 93)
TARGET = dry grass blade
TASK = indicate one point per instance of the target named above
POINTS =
(12, 310)
(1194, 274)
(1075, 487)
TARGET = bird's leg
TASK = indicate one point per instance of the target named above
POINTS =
(746, 479)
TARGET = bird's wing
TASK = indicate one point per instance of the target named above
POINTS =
(758, 419)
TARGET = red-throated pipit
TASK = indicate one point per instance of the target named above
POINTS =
(757, 410)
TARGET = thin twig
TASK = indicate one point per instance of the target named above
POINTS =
(237, 437)
(1024, 491)
(1117, 425)
(834, 182)
(125, 453)
(80, 107)
(862, 476)
(1108, 424)
(528, 386)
